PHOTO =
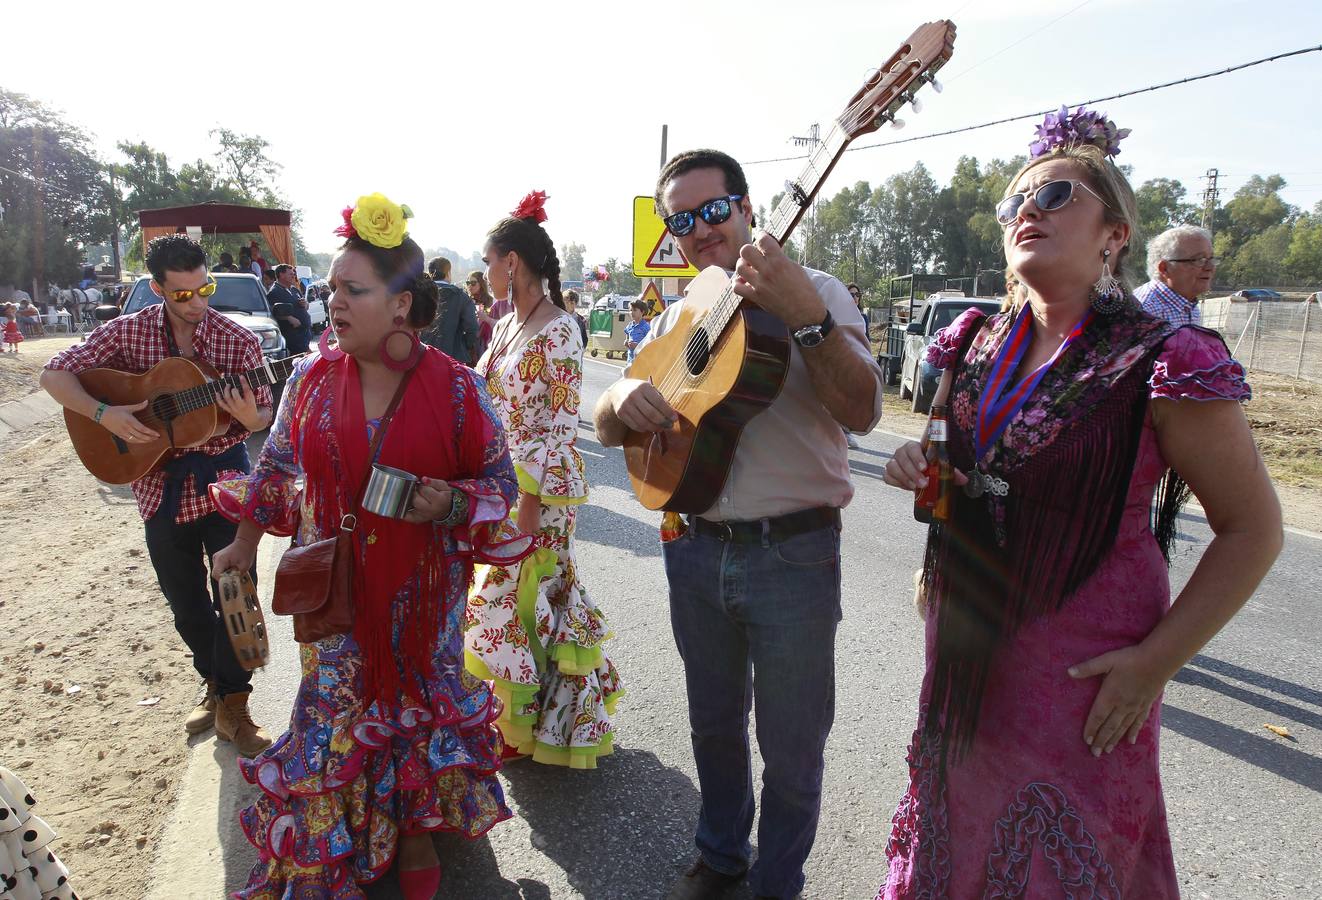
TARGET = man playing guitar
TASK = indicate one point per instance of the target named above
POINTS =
(755, 581)
(183, 528)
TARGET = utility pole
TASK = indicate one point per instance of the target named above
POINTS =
(665, 133)
(1210, 193)
(38, 217)
(811, 140)
(114, 222)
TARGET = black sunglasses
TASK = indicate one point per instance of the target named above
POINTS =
(713, 212)
(1049, 197)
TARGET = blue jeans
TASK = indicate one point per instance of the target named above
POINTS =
(755, 624)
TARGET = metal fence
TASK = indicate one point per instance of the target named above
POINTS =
(1283, 337)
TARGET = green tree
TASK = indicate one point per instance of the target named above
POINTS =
(1303, 259)
(1259, 260)
(53, 192)
(571, 261)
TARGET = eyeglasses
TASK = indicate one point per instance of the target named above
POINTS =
(1202, 262)
(205, 290)
(713, 212)
(1048, 198)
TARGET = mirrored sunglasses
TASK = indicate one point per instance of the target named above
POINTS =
(1048, 198)
(713, 212)
(205, 290)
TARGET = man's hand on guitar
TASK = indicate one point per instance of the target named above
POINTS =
(120, 421)
(241, 403)
(641, 407)
(765, 275)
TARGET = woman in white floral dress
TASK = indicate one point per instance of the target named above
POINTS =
(531, 628)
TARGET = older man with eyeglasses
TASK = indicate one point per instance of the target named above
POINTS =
(1181, 266)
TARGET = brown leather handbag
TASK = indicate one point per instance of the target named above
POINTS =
(314, 582)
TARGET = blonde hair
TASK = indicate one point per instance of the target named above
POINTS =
(1111, 185)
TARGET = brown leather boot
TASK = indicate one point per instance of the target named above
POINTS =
(233, 723)
(203, 715)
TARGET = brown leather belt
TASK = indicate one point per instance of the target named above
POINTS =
(779, 528)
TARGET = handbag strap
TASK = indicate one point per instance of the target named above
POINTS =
(376, 445)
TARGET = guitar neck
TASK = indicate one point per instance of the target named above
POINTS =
(789, 211)
(205, 394)
(800, 193)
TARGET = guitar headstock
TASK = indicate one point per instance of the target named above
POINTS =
(899, 79)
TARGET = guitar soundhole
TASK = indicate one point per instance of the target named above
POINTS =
(698, 352)
(163, 408)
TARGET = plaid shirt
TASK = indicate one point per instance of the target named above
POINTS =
(135, 343)
(1160, 301)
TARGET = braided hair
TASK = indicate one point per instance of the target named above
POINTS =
(534, 246)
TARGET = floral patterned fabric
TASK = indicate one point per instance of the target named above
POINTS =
(1028, 812)
(533, 631)
(346, 779)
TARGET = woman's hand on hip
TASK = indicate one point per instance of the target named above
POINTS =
(431, 501)
(1130, 686)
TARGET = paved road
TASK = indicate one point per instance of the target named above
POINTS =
(1245, 805)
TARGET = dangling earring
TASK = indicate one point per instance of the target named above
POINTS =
(509, 284)
(329, 352)
(1106, 295)
(414, 355)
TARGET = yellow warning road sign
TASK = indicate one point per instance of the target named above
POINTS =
(651, 295)
(655, 250)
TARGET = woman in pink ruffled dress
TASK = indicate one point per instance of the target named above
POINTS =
(1051, 633)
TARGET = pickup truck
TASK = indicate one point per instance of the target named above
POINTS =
(918, 380)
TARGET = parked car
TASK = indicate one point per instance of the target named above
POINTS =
(918, 380)
(238, 297)
(1257, 294)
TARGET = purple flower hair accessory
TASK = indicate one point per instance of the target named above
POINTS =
(1083, 126)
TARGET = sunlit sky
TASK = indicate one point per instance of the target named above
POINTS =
(458, 109)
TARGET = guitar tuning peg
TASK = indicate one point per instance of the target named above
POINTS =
(936, 85)
(915, 103)
(897, 123)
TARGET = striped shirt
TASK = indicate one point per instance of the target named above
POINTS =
(1158, 299)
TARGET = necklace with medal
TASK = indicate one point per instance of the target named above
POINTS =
(1002, 401)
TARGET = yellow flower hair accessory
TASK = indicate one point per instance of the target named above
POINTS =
(377, 220)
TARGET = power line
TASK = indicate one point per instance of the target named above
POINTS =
(1034, 115)
(1004, 50)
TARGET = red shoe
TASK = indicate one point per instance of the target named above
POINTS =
(509, 752)
(420, 884)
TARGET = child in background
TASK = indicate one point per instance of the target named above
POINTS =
(13, 336)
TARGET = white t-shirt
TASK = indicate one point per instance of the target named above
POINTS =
(792, 455)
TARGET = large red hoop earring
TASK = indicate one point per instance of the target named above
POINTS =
(329, 352)
(414, 355)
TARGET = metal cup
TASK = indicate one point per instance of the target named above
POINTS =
(389, 491)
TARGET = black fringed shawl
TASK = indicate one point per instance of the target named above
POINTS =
(1001, 561)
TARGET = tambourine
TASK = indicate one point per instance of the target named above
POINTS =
(243, 619)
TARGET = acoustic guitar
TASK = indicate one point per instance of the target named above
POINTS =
(181, 408)
(725, 359)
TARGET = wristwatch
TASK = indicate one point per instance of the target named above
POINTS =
(812, 335)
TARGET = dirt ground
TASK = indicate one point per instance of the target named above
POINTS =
(87, 639)
(18, 373)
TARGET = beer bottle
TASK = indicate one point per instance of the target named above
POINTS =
(934, 501)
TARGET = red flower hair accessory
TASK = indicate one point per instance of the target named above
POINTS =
(347, 230)
(531, 207)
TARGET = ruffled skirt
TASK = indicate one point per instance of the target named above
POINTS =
(29, 868)
(344, 782)
(534, 633)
